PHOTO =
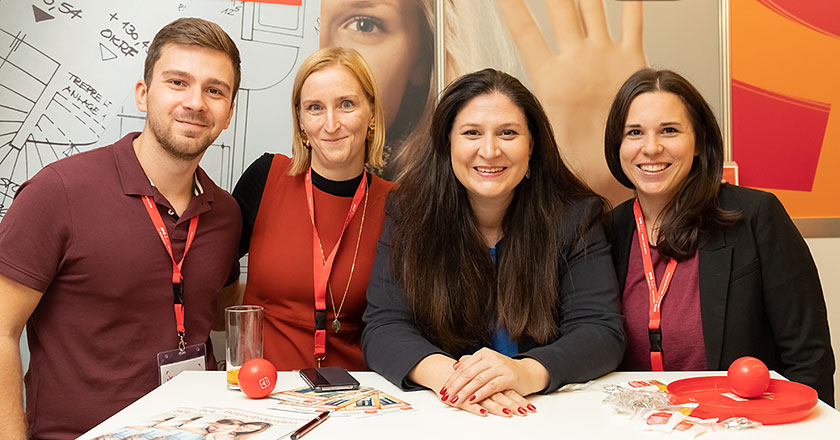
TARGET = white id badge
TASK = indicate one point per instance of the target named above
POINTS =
(172, 362)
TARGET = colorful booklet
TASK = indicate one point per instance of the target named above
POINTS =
(359, 402)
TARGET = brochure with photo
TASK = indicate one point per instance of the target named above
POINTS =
(210, 424)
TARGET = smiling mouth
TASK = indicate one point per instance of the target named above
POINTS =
(193, 123)
(653, 168)
(334, 139)
(489, 170)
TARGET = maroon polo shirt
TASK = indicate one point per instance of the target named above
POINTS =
(79, 233)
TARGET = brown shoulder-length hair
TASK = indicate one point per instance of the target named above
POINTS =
(458, 296)
(198, 32)
(695, 206)
(355, 62)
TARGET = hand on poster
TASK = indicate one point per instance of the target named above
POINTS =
(494, 382)
(576, 84)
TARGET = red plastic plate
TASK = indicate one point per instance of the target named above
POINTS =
(783, 402)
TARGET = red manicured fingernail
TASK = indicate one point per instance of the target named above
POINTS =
(522, 411)
(532, 407)
(455, 365)
(454, 399)
(506, 411)
(442, 391)
(472, 398)
(444, 398)
(482, 411)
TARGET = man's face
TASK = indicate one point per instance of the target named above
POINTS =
(190, 99)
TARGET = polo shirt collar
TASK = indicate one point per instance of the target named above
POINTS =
(135, 182)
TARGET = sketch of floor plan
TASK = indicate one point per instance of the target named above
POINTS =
(68, 69)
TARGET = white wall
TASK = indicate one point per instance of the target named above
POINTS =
(826, 252)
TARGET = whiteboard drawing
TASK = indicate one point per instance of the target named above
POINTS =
(68, 69)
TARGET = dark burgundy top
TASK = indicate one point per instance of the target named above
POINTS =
(683, 348)
(79, 233)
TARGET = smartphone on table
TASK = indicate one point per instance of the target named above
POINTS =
(325, 379)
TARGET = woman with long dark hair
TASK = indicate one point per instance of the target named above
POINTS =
(493, 279)
(710, 272)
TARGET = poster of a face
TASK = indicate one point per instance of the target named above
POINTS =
(574, 55)
(396, 38)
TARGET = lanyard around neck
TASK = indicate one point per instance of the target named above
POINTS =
(321, 269)
(656, 296)
(177, 277)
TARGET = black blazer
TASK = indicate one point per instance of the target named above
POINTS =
(591, 340)
(760, 293)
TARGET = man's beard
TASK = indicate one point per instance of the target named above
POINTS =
(178, 148)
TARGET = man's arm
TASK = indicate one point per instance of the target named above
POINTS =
(230, 295)
(17, 302)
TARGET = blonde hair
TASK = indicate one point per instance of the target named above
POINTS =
(477, 38)
(352, 60)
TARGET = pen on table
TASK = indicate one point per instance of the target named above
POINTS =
(310, 425)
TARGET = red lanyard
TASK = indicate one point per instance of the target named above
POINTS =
(656, 296)
(177, 278)
(321, 269)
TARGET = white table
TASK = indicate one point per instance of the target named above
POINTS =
(568, 415)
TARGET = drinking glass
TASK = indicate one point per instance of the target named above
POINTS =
(243, 339)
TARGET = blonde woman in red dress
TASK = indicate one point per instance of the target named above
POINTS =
(311, 221)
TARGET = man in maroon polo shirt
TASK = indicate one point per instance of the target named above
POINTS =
(85, 266)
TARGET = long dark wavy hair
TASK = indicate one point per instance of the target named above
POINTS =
(695, 206)
(457, 294)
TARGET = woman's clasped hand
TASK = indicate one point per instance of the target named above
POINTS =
(488, 382)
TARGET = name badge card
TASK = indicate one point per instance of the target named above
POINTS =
(172, 362)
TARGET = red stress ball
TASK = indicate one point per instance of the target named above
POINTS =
(257, 378)
(748, 377)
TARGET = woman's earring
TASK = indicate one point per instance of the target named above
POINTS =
(528, 172)
(305, 139)
(371, 131)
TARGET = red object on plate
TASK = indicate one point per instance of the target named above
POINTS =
(257, 378)
(748, 377)
(783, 402)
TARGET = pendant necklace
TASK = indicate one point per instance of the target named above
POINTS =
(336, 324)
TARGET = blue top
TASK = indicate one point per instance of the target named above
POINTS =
(501, 338)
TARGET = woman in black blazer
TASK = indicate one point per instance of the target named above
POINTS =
(493, 278)
(739, 279)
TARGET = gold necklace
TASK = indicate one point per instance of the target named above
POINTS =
(336, 324)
